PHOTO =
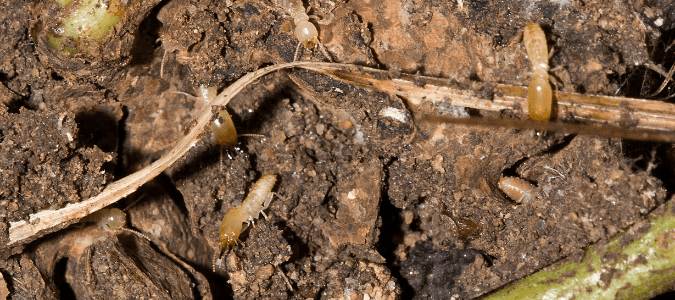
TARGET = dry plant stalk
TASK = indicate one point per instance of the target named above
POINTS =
(46, 221)
(657, 118)
(638, 118)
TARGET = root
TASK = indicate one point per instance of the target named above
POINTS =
(669, 77)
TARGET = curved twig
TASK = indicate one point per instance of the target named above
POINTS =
(46, 221)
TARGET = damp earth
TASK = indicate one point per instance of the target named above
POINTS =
(367, 206)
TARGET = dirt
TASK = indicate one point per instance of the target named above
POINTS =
(367, 205)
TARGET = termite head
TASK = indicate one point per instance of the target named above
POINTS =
(231, 227)
(114, 218)
(223, 130)
(307, 34)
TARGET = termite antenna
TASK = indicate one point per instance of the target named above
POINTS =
(216, 253)
(167, 50)
(161, 66)
(136, 233)
(324, 52)
(298, 48)
(134, 203)
(252, 135)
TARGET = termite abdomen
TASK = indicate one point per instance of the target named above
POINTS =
(539, 93)
(517, 189)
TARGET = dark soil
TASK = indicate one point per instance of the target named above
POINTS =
(368, 206)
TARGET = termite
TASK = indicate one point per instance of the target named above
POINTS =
(305, 30)
(112, 218)
(517, 189)
(222, 126)
(539, 94)
(115, 219)
(223, 130)
(258, 199)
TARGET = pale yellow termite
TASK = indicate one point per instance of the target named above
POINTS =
(517, 189)
(539, 93)
(115, 219)
(112, 218)
(305, 31)
(258, 199)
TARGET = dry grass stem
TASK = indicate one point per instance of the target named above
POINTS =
(610, 112)
(46, 221)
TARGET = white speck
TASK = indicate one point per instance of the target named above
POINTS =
(561, 3)
(394, 113)
(359, 137)
(453, 110)
(352, 194)
(658, 22)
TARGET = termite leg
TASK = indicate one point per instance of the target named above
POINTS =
(215, 256)
(268, 200)
(297, 51)
(325, 52)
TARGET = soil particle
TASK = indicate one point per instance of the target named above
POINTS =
(160, 216)
(25, 280)
(360, 180)
(356, 209)
(432, 273)
(20, 70)
(254, 270)
(41, 166)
